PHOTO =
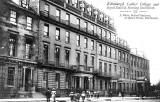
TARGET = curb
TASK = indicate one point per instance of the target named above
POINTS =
(67, 99)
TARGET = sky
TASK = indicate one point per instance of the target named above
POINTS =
(142, 34)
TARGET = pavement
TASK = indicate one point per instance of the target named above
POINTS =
(67, 99)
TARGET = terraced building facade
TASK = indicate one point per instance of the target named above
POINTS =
(68, 45)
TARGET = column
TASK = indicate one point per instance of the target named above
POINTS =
(91, 83)
(80, 82)
(32, 75)
(24, 75)
(89, 80)
(33, 81)
(72, 82)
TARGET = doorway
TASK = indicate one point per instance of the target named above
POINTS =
(28, 81)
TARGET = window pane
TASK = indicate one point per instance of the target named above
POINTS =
(78, 58)
(29, 23)
(11, 74)
(67, 17)
(100, 67)
(78, 40)
(57, 13)
(78, 21)
(67, 37)
(105, 67)
(92, 44)
(46, 8)
(46, 29)
(12, 45)
(100, 49)
(85, 24)
(28, 48)
(12, 17)
(57, 54)
(85, 42)
(109, 51)
(67, 57)
(24, 3)
(85, 60)
(57, 34)
(45, 52)
(92, 61)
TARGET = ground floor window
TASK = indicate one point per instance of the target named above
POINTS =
(57, 79)
(11, 74)
(101, 85)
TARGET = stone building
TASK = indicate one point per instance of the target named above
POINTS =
(139, 74)
(19, 27)
(68, 45)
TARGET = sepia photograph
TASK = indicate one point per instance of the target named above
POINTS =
(79, 51)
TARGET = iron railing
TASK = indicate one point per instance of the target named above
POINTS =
(83, 68)
(89, 17)
(75, 10)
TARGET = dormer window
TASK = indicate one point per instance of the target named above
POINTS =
(74, 3)
(29, 23)
(24, 3)
(81, 3)
(95, 13)
(106, 19)
(67, 1)
(58, 13)
(101, 17)
(13, 17)
(46, 9)
(89, 10)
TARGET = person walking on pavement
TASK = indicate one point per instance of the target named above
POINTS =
(83, 96)
(122, 94)
(71, 95)
(77, 97)
(48, 95)
(53, 95)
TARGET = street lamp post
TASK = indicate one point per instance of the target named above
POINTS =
(145, 86)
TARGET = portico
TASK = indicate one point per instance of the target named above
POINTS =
(82, 81)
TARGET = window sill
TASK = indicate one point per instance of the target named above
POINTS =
(12, 56)
(67, 43)
(58, 40)
(13, 24)
(45, 36)
(11, 86)
(29, 29)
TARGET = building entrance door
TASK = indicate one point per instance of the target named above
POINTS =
(120, 87)
(140, 88)
(28, 82)
(86, 83)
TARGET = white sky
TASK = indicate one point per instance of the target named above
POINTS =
(140, 34)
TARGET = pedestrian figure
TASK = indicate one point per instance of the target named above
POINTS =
(91, 94)
(53, 95)
(48, 95)
(83, 96)
(77, 97)
(122, 93)
(71, 95)
(142, 94)
(97, 94)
